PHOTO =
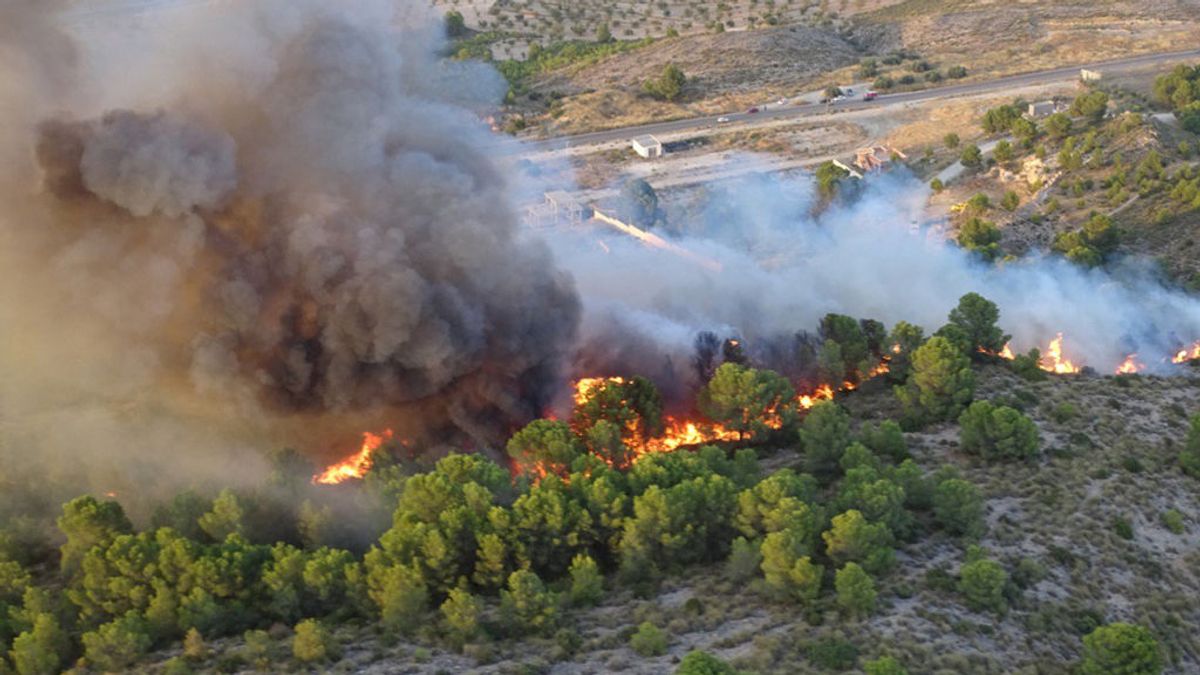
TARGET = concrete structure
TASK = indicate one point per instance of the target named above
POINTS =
(1042, 108)
(560, 208)
(1090, 75)
(876, 157)
(648, 147)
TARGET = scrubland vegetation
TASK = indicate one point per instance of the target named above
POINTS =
(823, 514)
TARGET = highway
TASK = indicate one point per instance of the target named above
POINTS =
(806, 110)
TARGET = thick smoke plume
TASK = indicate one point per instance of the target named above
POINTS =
(269, 223)
(280, 226)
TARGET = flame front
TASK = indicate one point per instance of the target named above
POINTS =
(822, 393)
(356, 465)
(1006, 353)
(1054, 361)
(1190, 354)
(1130, 365)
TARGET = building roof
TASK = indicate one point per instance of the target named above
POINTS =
(647, 141)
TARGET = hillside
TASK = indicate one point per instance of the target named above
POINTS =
(724, 72)
(1056, 524)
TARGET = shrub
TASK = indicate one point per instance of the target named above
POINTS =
(744, 560)
(527, 604)
(1091, 105)
(312, 642)
(587, 584)
(951, 140)
(832, 654)
(668, 86)
(649, 640)
(1123, 527)
(997, 432)
(825, 435)
(40, 649)
(851, 538)
(1064, 412)
(1189, 458)
(1120, 648)
(971, 157)
(981, 237)
(461, 610)
(568, 641)
(703, 663)
(194, 648)
(884, 665)
(982, 584)
(788, 568)
(1173, 521)
(1003, 153)
(117, 645)
(958, 507)
(855, 590)
(941, 382)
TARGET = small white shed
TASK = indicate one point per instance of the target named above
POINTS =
(648, 147)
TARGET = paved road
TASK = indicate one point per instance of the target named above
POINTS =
(998, 84)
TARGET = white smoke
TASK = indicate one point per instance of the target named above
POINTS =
(782, 269)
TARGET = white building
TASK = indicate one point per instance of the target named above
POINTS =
(648, 147)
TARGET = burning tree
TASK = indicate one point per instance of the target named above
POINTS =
(633, 406)
(849, 336)
(749, 401)
(973, 322)
(905, 338)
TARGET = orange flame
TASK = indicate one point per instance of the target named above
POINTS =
(676, 433)
(1130, 365)
(1190, 354)
(684, 433)
(1005, 353)
(356, 465)
(680, 433)
(584, 387)
(823, 393)
(1054, 361)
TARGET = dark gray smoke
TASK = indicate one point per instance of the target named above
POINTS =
(307, 231)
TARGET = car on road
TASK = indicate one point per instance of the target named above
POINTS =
(782, 101)
(870, 96)
(752, 110)
(722, 120)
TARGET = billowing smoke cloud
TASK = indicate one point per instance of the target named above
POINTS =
(297, 235)
(282, 222)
